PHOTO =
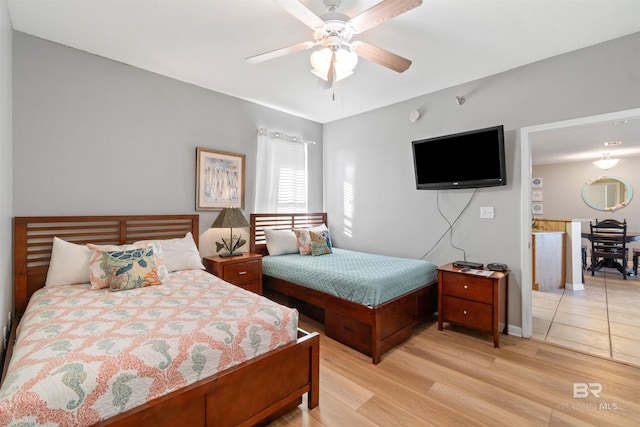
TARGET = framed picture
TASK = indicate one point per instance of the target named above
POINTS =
(220, 180)
(536, 196)
(536, 182)
(536, 209)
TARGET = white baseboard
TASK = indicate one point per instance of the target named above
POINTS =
(574, 286)
(516, 331)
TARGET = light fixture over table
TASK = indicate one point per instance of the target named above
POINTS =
(333, 31)
(606, 162)
(230, 218)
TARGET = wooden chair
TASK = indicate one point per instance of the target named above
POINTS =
(585, 244)
(636, 254)
(608, 245)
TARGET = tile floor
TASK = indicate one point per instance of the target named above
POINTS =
(603, 319)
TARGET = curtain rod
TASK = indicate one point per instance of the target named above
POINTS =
(284, 136)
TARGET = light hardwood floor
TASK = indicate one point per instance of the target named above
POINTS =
(602, 319)
(456, 377)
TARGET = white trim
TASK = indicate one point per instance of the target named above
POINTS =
(574, 286)
(574, 257)
(525, 198)
(515, 331)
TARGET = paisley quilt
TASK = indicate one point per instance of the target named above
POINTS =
(84, 355)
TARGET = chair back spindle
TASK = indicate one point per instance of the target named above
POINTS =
(609, 245)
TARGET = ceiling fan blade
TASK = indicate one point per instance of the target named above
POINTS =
(331, 74)
(381, 12)
(302, 12)
(281, 52)
(381, 56)
(328, 81)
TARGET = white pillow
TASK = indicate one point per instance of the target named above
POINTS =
(181, 254)
(280, 242)
(69, 264)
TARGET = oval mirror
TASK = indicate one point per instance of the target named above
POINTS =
(607, 193)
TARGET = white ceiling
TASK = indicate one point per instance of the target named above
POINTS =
(205, 42)
(587, 142)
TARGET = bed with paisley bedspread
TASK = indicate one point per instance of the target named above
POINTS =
(178, 346)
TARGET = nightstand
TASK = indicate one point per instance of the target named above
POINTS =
(474, 300)
(243, 270)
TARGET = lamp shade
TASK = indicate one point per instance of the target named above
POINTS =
(230, 218)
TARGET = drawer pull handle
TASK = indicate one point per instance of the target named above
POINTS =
(240, 273)
(464, 312)
(466, 287)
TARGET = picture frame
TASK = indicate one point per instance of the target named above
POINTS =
(536, 182)
(536, 196)
(537, 209)
(220, 179)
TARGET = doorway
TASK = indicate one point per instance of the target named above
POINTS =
(526, 135)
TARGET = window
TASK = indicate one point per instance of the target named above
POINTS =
(281, 175)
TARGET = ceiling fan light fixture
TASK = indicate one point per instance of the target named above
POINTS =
(606, 162)
(346, 61)
(334, 30)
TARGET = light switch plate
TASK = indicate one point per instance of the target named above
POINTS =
(486, 212)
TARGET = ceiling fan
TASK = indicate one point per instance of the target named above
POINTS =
(339, 55)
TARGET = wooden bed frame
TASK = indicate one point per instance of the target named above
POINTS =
(254, 392)
(370, 330)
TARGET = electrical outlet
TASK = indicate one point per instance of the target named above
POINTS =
(486, 212)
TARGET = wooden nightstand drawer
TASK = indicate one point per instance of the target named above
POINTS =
(468, 286)
(241, 272)
(244, 270)
(467, 313)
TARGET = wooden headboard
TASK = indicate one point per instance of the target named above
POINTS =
(280, 221)
(33, 241)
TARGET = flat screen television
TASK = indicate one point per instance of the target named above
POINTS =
(469, 159)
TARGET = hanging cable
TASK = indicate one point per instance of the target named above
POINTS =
(449, 230)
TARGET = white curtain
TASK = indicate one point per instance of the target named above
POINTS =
(281, 175)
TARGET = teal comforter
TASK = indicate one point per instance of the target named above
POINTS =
(360, 277)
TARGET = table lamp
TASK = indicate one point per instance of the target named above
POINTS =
(230, 218)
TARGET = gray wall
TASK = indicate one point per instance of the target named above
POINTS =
(6, 193)
(370, 154)
(82, 122)
(563, 184)
(94, 136)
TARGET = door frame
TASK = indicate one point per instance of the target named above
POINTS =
(526, 134)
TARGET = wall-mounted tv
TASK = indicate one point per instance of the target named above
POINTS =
(469, 159)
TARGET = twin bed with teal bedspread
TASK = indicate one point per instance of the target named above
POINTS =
(364, 278)
(367, 301)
